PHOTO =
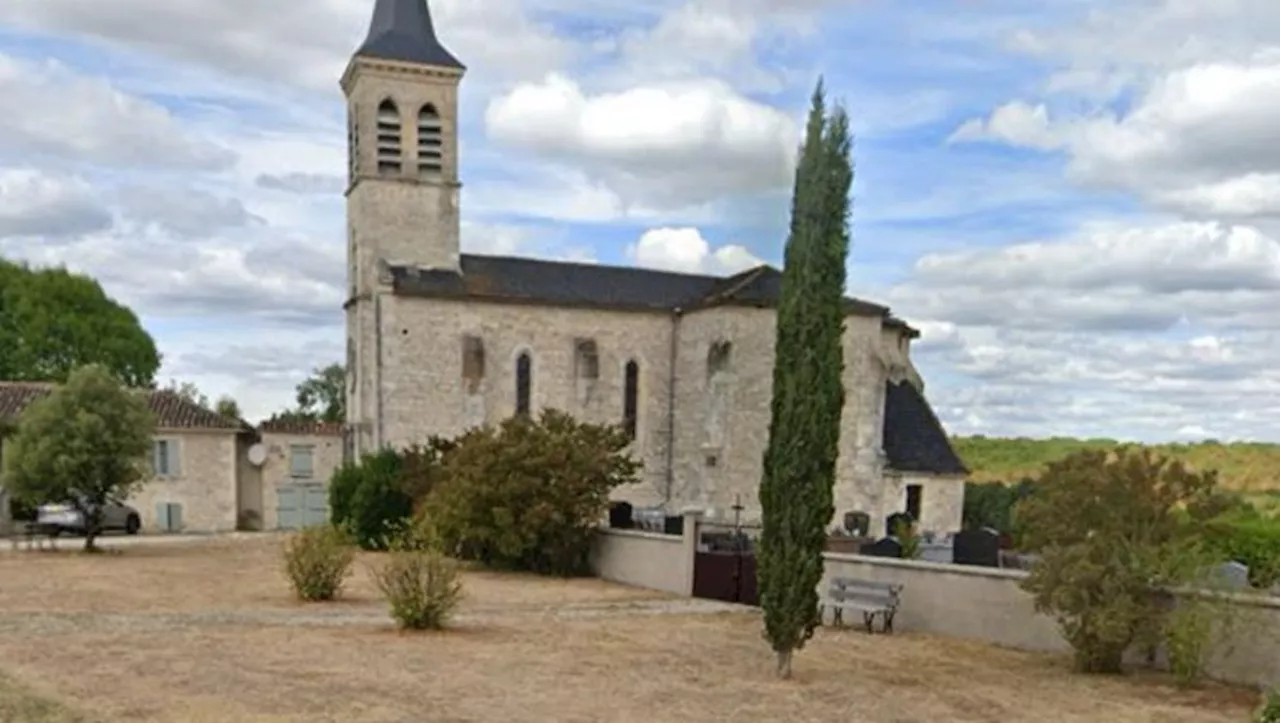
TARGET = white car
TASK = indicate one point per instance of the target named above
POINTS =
(66, 518)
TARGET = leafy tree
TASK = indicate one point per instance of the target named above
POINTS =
(324, 394)
(1114, 530)
(320, 397)
(86, 443)
(808, 391)
(227, 407)
(189, 392)
(53, 321)
(528, 494)
(990, 504)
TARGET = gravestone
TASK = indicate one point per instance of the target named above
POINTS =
(980, 547)
(885, 547)
(937, 552)
(1232, 575)
(857, 524)
(673, 525)
(620, 516)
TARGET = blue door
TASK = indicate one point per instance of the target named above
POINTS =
(289, 507)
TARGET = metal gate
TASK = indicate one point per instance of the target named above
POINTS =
(724, 566)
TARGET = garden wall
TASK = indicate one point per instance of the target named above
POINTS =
(646, 559)
(986, 604)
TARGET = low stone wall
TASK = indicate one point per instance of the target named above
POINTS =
(986, 604)
(646, 559)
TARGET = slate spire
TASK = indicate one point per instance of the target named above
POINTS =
(402, 30)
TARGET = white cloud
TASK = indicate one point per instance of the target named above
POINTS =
(665, 145)
(1016, 123)
(262, 40)
(34, 204)
(47, 108)
(685, 250)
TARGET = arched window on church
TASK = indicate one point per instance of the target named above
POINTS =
(430, 142)
(524, 383)
(631, 399)
(388, 138)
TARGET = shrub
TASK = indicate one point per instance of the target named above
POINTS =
(990, 504)
(366, 498)
(909, 538)
(1269, 711)
(1250, 539)
(1188, 636)
(421, 584)
(372, 497)
(1114, 530)
(527, 495)
(317, 561)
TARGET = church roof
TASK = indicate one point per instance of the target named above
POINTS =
(402, 30)
(560, 283)
(914, 440)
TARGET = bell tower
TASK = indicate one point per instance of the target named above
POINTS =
(401, 88)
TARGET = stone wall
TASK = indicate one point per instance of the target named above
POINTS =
(986, 604)
(275, 471)
(206, 484)
(646, 559)
(721, 414)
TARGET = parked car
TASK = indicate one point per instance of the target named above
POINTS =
(66, 518)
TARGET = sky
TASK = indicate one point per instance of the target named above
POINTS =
(1077, 202)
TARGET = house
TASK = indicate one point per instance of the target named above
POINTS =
(292, 485)
(196, 486)
(213, 473)
(439, 340)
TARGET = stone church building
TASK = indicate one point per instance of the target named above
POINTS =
(439, 340)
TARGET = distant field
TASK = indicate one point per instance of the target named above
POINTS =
(1244, 466)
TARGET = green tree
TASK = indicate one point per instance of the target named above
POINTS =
(1114, 531)
(321, 397)
(227, 407)
(53, 321)
(323, 394)
(86, 443)
(808, 391)
(188, 391)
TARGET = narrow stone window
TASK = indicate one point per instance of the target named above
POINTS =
(631, 399)
(586, 360)
(718, 358)
(524, 383)
(430, 142)
(472, 363)
(351, 363)
(388, 138)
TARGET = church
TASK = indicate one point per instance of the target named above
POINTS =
(439, 341)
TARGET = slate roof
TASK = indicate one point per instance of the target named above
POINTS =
(402, 30)
(914, 440)
(561, 283)
(173, 411)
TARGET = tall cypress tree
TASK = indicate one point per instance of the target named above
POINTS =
(808, 392)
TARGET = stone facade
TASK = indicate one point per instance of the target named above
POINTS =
(720, 406)
(205, 483)
(326, 457)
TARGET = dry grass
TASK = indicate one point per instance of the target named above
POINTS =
(162, 655)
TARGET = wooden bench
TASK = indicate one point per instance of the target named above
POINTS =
(869, 597)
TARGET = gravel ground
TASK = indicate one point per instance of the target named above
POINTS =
(43, 624)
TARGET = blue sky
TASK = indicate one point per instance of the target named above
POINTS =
(1074, 200)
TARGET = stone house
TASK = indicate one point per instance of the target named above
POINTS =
(291, 487)
(206, 478)
(196, 486)
(438, 340)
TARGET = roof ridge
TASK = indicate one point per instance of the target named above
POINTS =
(598, 265)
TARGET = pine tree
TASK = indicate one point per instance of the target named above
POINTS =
(808, 392)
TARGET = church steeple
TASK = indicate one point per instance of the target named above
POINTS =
(402, 30)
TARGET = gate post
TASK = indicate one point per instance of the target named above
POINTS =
(689, 546)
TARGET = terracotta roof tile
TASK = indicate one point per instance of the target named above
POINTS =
(324, 429)
(173, 411)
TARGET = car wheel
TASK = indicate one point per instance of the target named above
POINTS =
(132, 525)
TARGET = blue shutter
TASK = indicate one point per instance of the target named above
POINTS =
(175, 517)
(162, 516)
(175, 459)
